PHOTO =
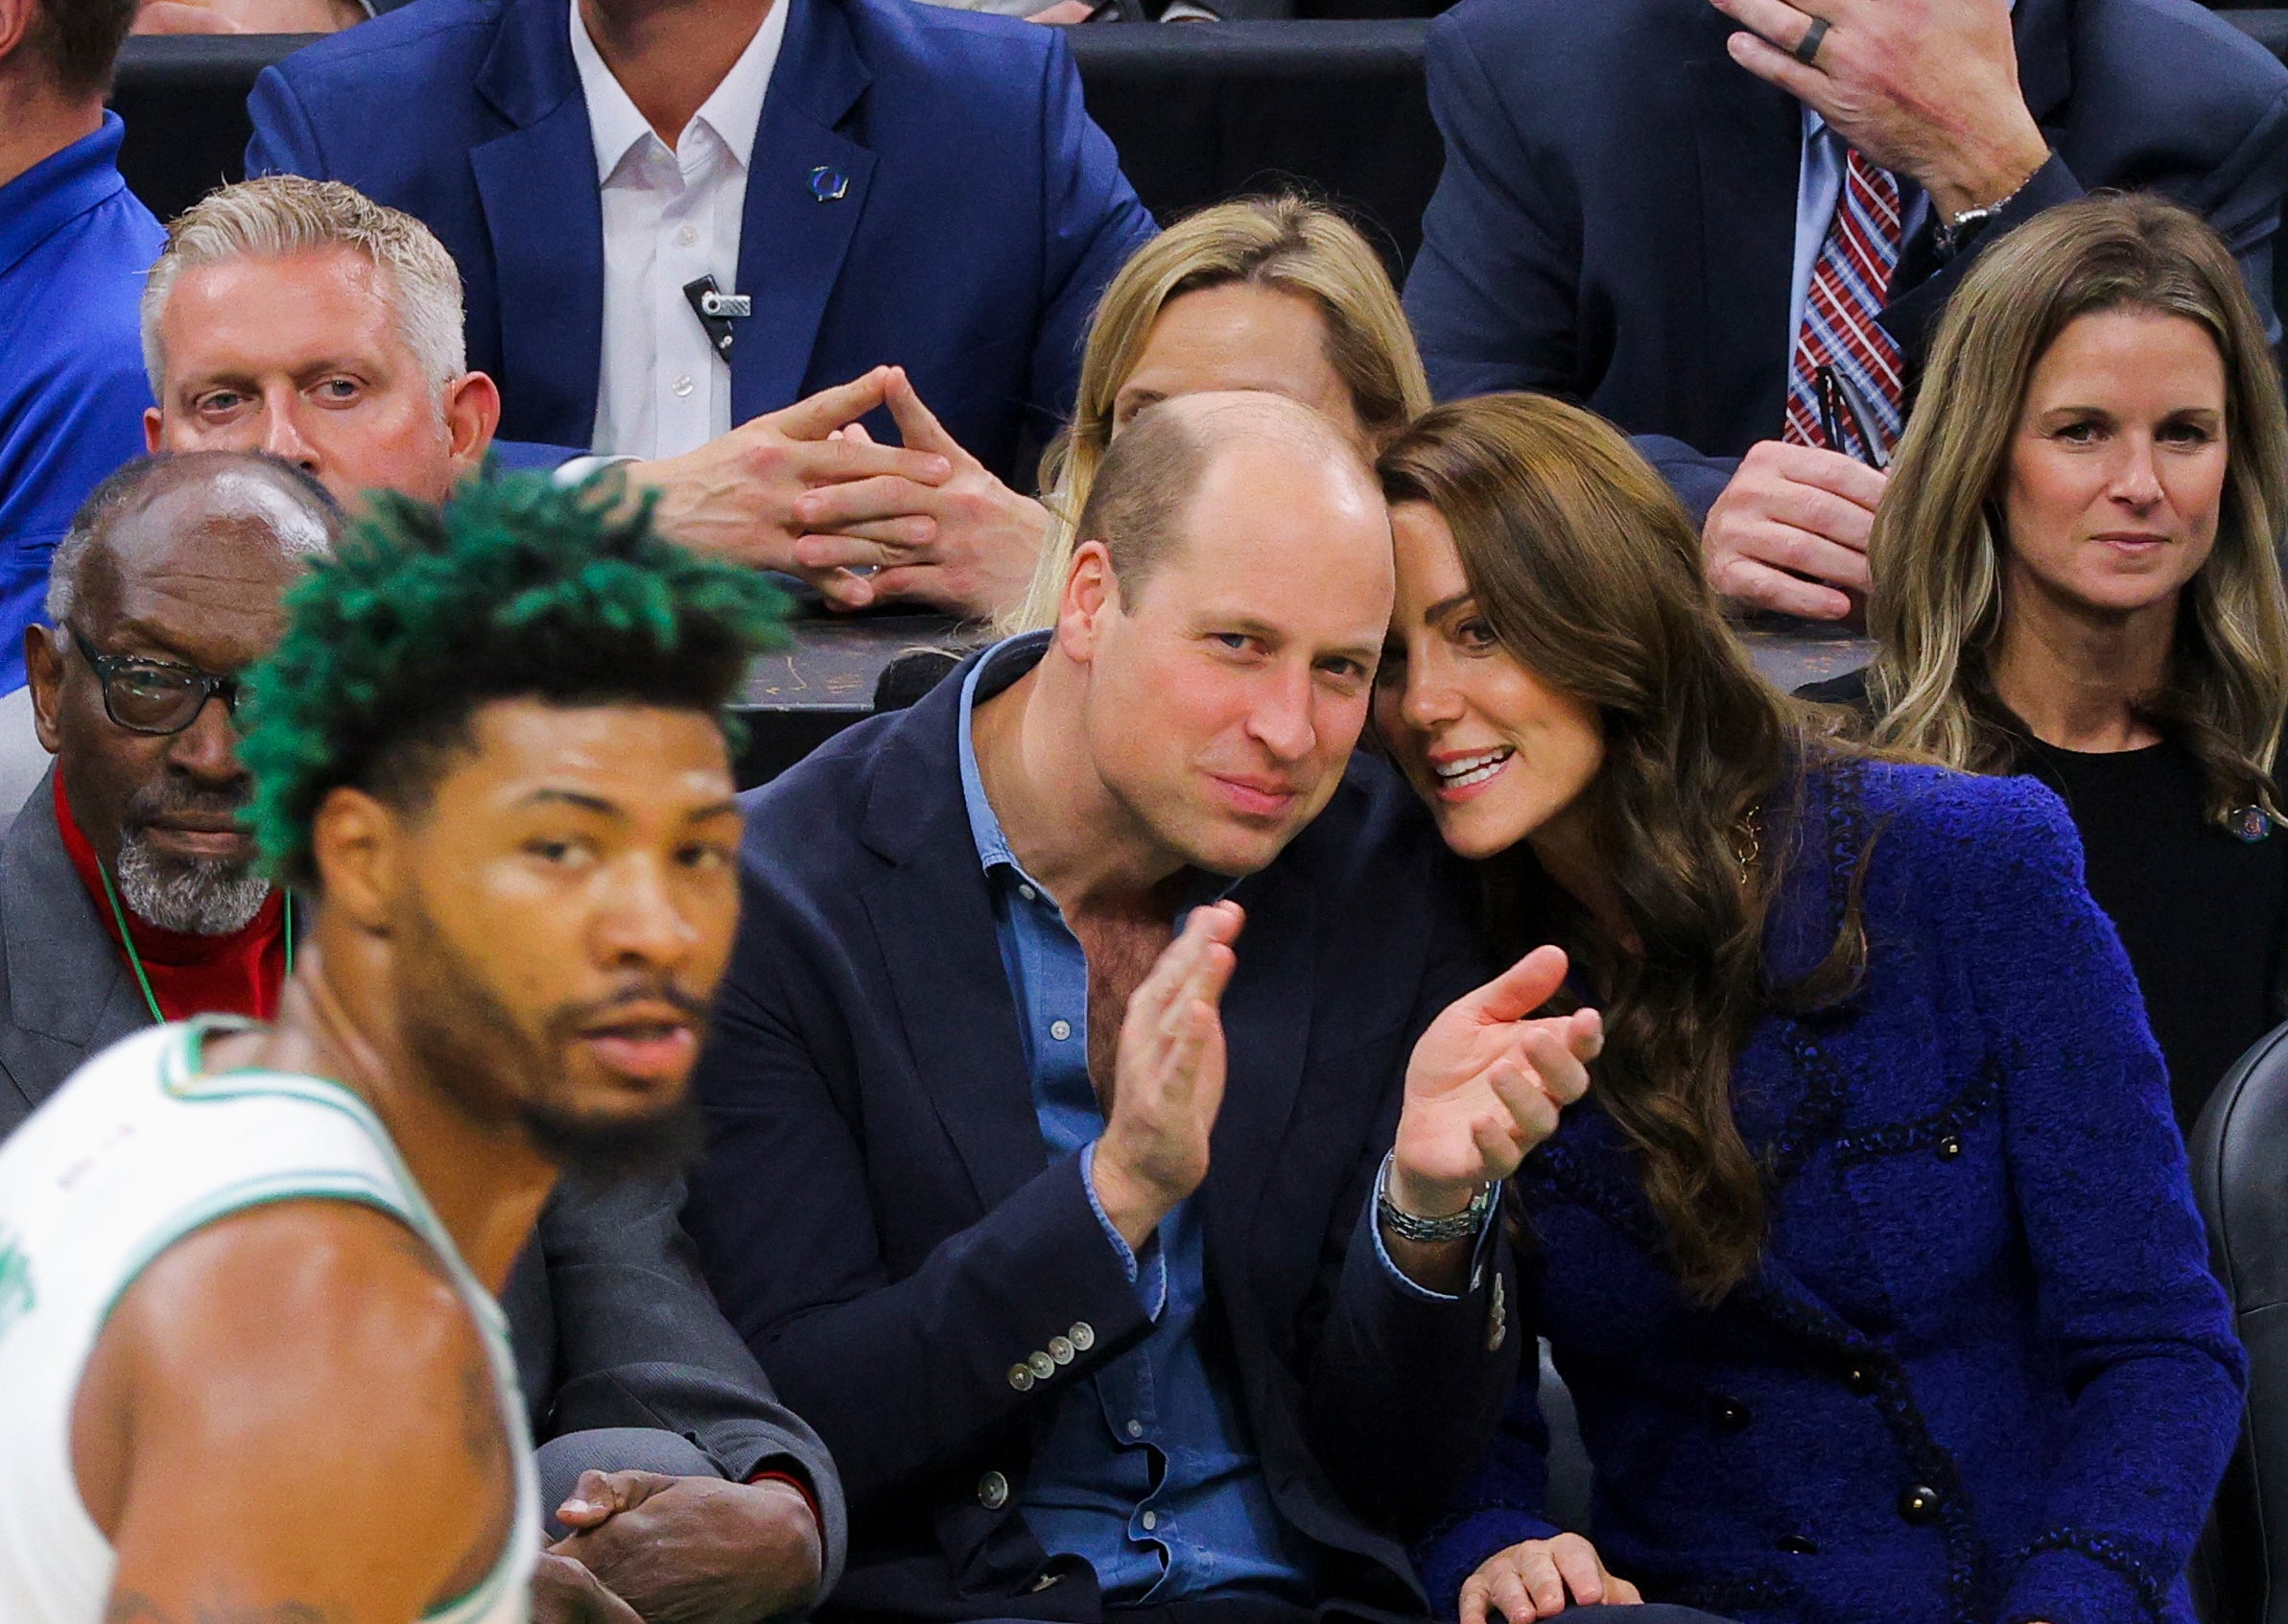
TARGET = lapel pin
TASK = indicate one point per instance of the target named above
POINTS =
(828, 185)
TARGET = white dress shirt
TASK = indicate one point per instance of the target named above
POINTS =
(671, 214)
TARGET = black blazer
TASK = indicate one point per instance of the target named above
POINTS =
(881, 1219)
(1616, 223)
(610, 1322)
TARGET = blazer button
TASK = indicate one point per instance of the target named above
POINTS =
(1021, 1377)
(1083, 1336)
(1060, 1348)
(1731, 1415)
(1919, 1505)
(993, 1491)
(1043, 1366)
(1795, 1545)
(1949, 1147)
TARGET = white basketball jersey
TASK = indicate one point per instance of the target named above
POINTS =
(136, 1150)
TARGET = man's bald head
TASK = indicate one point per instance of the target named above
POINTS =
(171, 572)
(165, 505)
(1141, 500)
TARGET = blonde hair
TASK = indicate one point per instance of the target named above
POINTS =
(1936, 609)
(1284, 242)
(280, 215)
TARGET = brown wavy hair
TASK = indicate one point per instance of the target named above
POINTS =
(1588, 572)
(1936, 555)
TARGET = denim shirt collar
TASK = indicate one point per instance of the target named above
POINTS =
(1007, 661)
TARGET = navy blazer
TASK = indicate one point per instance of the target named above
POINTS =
(1982, 1374)
(1616, 223)
(980, 212)
(880, 1217)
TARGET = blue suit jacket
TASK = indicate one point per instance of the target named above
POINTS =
(879, 1216)
(1985, 1278)
(983, 214)
(1616, 223)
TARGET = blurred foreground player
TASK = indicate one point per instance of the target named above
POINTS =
(249, 1367)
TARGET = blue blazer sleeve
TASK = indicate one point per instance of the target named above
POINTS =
(1492, 292)
(284, 141)
(2119, 1260)
(1504, 1502)
(1095, 221)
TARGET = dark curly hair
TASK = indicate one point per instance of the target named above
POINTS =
(516, 588)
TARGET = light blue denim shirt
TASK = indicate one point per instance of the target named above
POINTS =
(1148, 1471)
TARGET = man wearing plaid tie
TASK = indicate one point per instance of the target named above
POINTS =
(1729, 224)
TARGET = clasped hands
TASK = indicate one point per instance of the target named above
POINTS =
(805, 490)
(647, 1548)
(1925, 88)
(1484, 1086)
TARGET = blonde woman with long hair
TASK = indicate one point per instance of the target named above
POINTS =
(2076, 576)
(1277, 294)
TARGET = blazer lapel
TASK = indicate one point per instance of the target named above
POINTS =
(1266, 1025)
(932, 919)
(64, 981)
(544, 216)
(1751, 140)
(805, 192)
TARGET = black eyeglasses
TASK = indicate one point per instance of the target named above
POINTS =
(1839, 405)
(154, 695)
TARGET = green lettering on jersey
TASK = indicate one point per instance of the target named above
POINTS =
(15, 1284)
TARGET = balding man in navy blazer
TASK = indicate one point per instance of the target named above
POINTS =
(922, 189)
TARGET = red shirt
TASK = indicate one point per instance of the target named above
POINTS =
(238, 973)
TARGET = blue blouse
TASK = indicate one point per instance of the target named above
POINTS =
(1983, 1375)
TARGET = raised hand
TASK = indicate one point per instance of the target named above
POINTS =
(1926, 88)
(1485, 1084)
(1167, 1077)
(735, 496)
(1538, 1579)
(965, 544)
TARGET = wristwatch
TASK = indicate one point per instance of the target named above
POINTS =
(1429, 1232)
(1949, 236)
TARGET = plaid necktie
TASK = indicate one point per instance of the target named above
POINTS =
(1850, 282)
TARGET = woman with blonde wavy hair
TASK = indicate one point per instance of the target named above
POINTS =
(1277, 294)
(2076, 576)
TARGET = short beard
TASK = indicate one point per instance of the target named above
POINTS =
(194, 896)
(464, 1040)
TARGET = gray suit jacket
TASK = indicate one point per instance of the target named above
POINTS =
(611, 1322)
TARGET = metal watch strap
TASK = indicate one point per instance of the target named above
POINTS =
(1429, 1232)
(1949, 235)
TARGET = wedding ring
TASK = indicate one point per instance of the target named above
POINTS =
(1806, 49)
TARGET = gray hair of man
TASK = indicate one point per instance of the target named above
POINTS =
(276, 216)
(196, 896)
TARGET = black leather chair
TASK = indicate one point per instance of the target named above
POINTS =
(2240, 1177)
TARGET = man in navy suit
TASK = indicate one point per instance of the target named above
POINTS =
(1640, 198)
(1087, 1329)
(883, 185)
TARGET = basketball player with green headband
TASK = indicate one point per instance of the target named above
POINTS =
(249, 1363)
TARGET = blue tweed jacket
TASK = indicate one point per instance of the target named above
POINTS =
(1983, 1375)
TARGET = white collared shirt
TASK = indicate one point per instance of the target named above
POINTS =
(671, 214)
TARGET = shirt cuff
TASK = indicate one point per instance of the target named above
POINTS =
(1148, 1274)
(1415, 1289)
(572, 472)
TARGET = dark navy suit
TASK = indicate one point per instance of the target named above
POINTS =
(880, 1217)
(980, 212)
(1616, 223)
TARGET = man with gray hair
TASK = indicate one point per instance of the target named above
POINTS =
(302, 319)
(129, 896)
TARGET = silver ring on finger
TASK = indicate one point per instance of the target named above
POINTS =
(1806, 49)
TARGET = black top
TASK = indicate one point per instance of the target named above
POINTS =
(2200, 911)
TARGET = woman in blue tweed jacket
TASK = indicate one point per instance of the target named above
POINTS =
(1871, 1260)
